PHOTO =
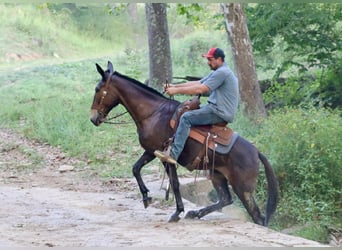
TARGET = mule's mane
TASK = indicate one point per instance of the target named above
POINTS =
(136, 82)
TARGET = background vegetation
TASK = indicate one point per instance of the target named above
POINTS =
(47, 80)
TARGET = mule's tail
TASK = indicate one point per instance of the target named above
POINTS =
(272, 188)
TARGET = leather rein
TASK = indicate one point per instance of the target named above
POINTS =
(123, 113)
(114, 117)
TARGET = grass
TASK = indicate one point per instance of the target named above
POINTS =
(35, 33)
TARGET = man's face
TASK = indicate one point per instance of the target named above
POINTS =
(214, 63)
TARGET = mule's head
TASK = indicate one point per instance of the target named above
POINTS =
(105, 97)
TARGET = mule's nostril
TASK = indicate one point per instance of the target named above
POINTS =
(93, 122)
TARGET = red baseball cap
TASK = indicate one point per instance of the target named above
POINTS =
(214, 52)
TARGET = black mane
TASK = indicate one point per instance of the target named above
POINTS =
(144, 86)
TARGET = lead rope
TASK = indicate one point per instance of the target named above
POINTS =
(168, 146)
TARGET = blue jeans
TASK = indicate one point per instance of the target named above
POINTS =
(202, 116)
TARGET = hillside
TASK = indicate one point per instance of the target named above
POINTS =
(36, 33)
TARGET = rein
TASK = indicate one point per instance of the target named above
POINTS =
(114, 117)
(123, 113)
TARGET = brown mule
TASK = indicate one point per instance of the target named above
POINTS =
(152, 112)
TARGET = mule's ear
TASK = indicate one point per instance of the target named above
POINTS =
(100, 70)
(110, 67)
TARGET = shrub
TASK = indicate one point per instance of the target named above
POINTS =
(330, 87)
(304, 146)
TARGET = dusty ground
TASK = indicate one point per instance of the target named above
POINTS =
(49, 205)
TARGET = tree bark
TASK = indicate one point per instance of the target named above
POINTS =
(159, 45)
(238, 35)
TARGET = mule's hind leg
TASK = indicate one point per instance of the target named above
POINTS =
(246, 196)
(221, 186)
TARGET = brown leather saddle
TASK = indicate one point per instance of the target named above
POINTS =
(208, 135)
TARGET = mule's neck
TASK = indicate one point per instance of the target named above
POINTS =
(140, 101)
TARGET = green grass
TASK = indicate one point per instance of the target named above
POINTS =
(32, 32)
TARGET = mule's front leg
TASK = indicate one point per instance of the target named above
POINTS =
(143, 160)
(172, 173)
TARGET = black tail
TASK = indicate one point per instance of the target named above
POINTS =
(272, 184)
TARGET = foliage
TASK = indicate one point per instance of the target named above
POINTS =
(190, 11)
(309, 33)
(304, 146)
(199, 15)
(329, 90)
(292, 92)
(320, 87)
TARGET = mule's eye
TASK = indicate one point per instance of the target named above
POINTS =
(104, 93)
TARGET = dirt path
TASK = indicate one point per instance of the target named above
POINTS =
(51, 206)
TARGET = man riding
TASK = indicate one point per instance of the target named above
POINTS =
(222, 84)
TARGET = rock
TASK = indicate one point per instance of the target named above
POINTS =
(200, 192)
(65, 168)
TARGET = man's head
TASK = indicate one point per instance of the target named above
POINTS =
(215, 58)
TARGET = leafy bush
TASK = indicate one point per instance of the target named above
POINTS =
(304, 146)
(291, 92)
(330, 87)
(321, 87)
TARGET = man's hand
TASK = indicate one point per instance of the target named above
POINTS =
(170, 90)
(167, 85)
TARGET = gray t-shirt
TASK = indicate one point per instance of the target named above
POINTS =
(224, 92)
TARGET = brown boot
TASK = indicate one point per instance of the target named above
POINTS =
(164, 157)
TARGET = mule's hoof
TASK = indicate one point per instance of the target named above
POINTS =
(174, 218)
(147, 201)
(261, 221)
(191, 215)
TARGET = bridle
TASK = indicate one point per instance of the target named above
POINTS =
(108, 120)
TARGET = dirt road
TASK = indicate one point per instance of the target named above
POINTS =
(58, 205)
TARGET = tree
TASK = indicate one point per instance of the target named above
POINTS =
(159, 44)
(308, 33)
(237, 31)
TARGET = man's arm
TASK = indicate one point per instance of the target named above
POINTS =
(191, 83)
(189, 88)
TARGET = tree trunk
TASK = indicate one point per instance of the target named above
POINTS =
(238, 35)
(159, 45)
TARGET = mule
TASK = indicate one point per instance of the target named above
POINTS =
(151, 112)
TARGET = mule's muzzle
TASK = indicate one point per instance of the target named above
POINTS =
(95, 117)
